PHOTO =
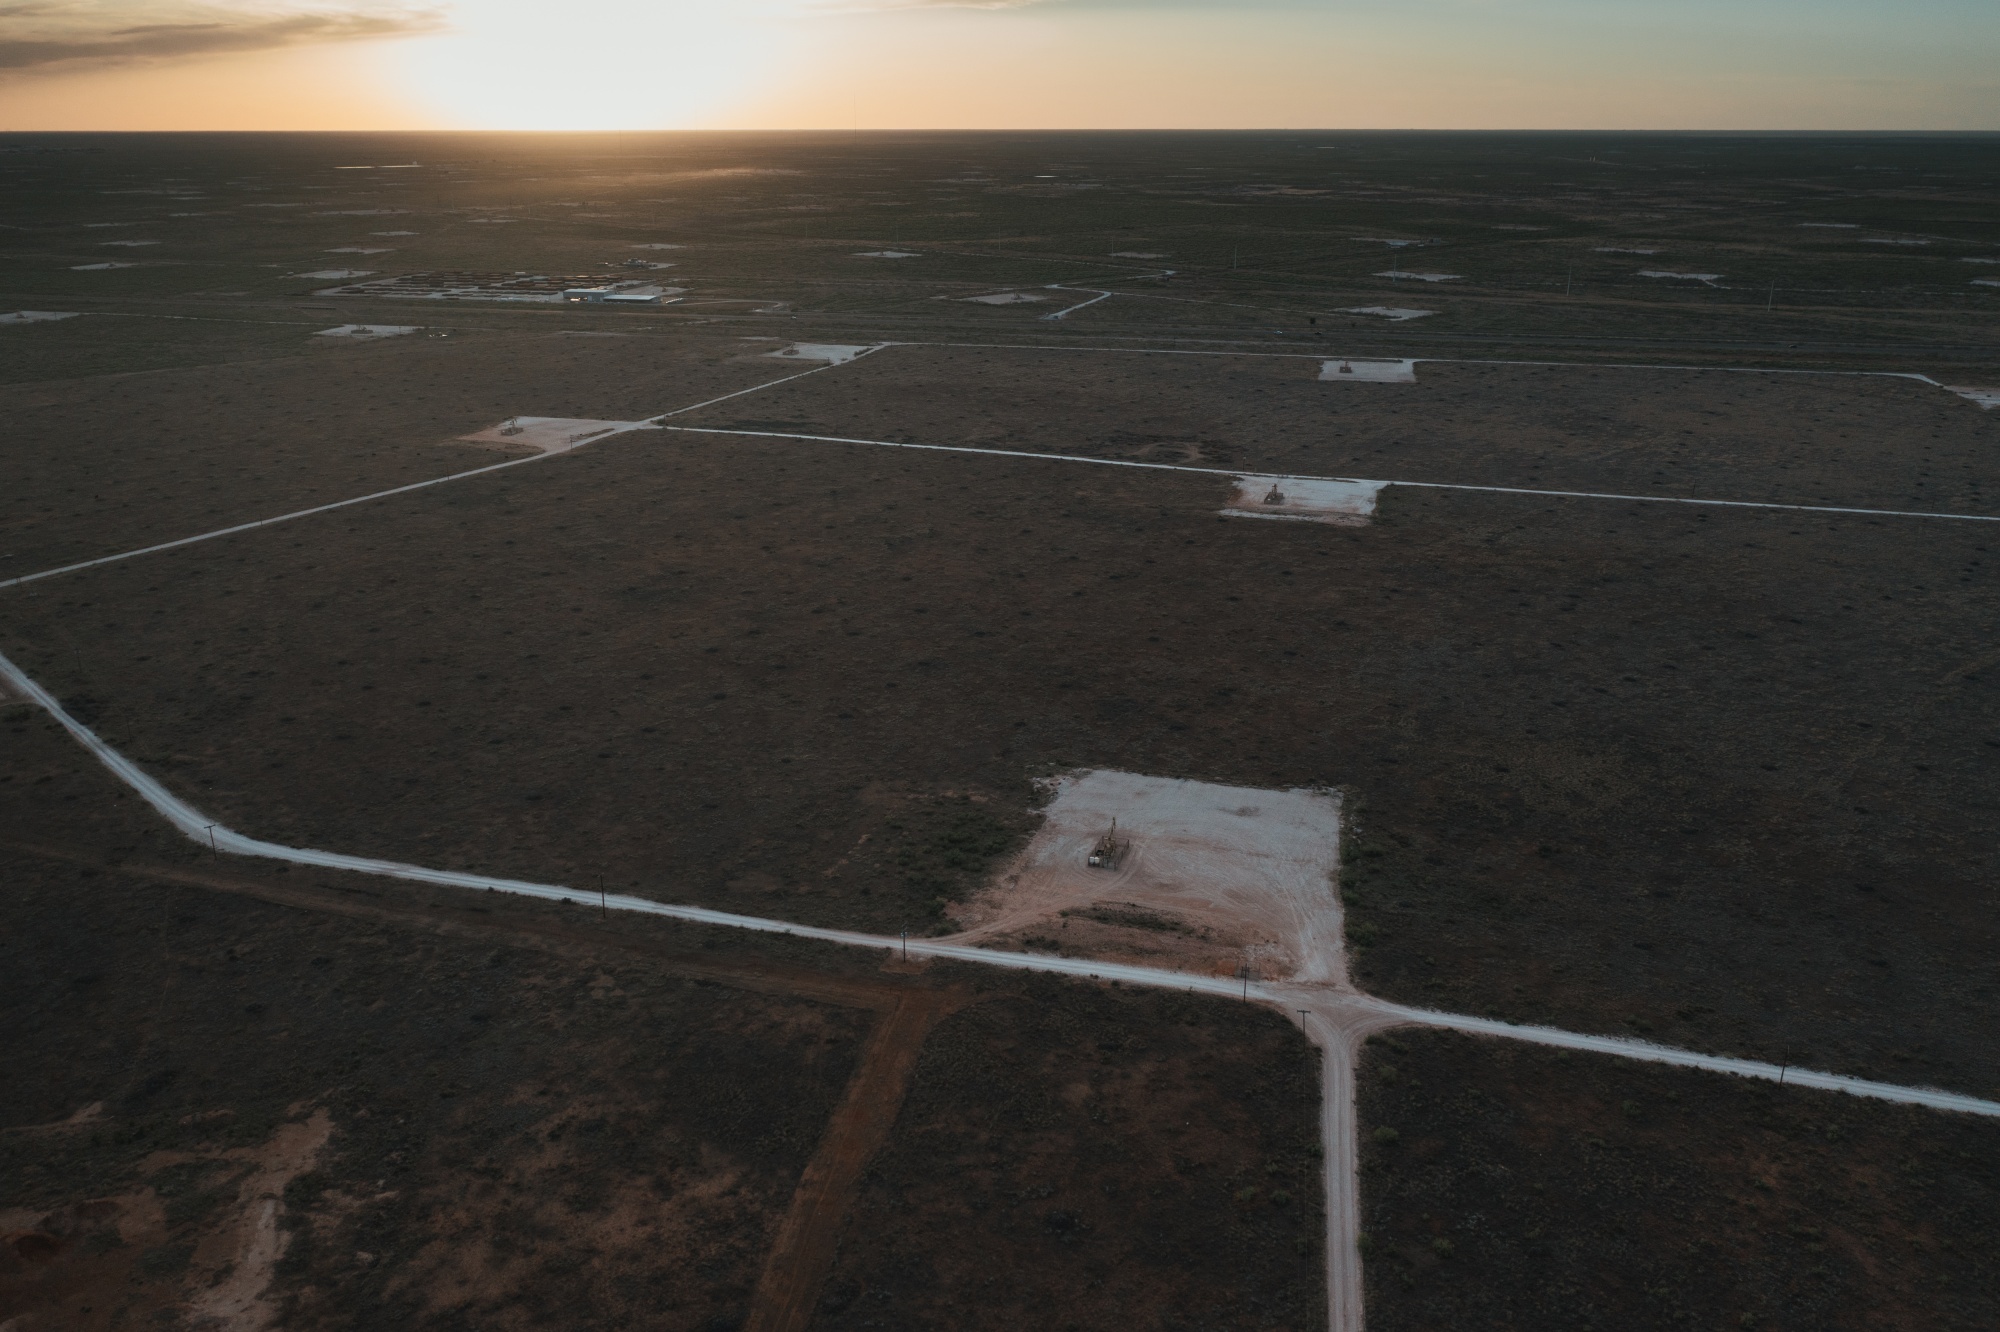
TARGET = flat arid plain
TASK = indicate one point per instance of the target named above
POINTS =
(1294, 731)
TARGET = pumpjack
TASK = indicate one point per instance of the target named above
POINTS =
(1109, 850)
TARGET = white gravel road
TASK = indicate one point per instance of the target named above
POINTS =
(1332, 1015)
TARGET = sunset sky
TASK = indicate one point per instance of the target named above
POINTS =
(834, 64)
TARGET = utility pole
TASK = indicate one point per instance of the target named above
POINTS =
(213, 850)
(603, 907)
(906, 943)
(1569, 276)
(1771, 299)
(1787, 1063)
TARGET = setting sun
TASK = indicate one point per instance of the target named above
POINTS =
(631, 66)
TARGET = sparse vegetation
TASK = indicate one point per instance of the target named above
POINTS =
(1722, 1202)
(1720, 778)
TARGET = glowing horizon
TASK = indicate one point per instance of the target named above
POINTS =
(1028, 64)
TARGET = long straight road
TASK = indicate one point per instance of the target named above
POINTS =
(1334, 1016)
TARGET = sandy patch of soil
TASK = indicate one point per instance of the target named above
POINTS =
(366, 331)
(833, 353)
(36, 316)
(1989, 398)
(1388, 312)
(1342, 503)
(1986, 282)
(332, 274)
(550, 434)
(1373, 372)
(1421, 277)
(1004, 298)
(250, 1244)
(1619, 249)
(1684, 277)
(1139, 254)
(95, 1263)
(887, 254)
(91, 268)
(1197, 875)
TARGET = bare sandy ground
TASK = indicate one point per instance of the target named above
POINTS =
(36, 316)
(242, 1254)
(226, 1285)
(1212, 877)
(833, 353)
(550, 434)
(1373, 372)
(1392, 312)
(1343, 503)
(1004, 298)
(1421, 277)
(1989, 398)
(367, 331)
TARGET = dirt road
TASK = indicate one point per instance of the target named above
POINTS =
(803, 1253)
(1335, 1016)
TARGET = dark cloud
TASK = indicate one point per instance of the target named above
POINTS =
(167, 41)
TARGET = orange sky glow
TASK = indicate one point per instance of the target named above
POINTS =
(822, 64)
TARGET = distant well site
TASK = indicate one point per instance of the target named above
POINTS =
(1112, 764)
(576, 289)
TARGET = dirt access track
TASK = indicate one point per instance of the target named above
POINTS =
(1526, 698)
(235, 1252)
(1307, 946)
(514, 942)
(1331, 1013)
